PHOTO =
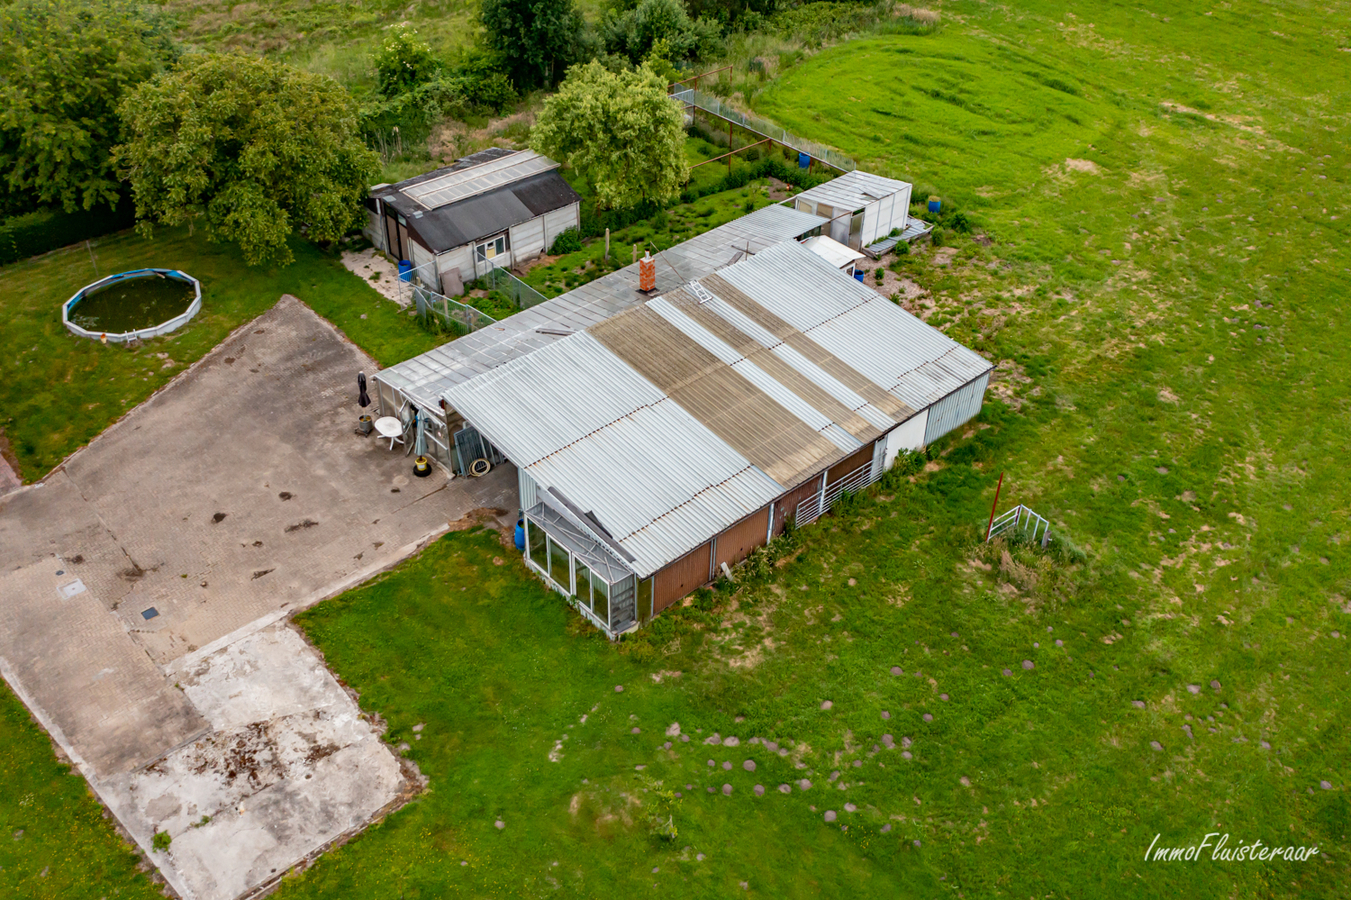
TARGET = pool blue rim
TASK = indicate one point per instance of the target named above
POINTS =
(166, 327)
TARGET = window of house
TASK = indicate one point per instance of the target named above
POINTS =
(494, 247)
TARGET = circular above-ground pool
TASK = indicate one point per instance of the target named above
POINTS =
(133, 305)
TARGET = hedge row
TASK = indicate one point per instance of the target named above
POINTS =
(44, 229)
(594, 222)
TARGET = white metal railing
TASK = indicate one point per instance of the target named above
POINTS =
(715, 106)
(1021, 517)
(816, 506)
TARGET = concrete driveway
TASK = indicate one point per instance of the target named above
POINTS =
(147, 581)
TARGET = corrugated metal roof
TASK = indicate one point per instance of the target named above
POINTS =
(463, 182)
(833, 252)
(578, 419)
(911, 360)
(748, 419)
(676, 419)
(424, 377)
(852, 191)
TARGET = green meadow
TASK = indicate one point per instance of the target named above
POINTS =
(1159, 262)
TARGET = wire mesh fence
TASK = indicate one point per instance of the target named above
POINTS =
(522, 294)
(715, 106)
(419, 287)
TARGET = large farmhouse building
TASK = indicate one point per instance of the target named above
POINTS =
(662, 434)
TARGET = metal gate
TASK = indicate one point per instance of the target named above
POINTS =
(469, 446)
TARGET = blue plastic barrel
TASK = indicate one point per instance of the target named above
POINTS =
(520, 534)
(405, 270)
(858, 275)
(804, 160)
(935, 205)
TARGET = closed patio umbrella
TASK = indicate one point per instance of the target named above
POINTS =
(363, 399)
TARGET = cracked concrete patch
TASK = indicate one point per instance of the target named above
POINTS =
(291, 764)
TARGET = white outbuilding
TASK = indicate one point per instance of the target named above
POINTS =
(863, 208)
(497, 208)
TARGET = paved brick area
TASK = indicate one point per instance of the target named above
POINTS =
(235, 496)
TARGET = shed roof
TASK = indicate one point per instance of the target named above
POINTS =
(676, 418)
(852, 190)
(484, 174)
(832, 251)
(477, 197)
(424, 377)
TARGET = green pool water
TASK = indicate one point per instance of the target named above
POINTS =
(132, 304)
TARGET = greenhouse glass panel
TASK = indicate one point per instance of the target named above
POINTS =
(600, 599)
(560, 566)
(583, 584)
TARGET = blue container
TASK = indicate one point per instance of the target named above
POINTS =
(935, 205)
(803, 160)
(858, 275)
(520, 534)
(405, 270)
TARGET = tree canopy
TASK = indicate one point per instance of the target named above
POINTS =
(619, 131)
(537, 39)
(65, 65)
(251, 148)
(663, 26)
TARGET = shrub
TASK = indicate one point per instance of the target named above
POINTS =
(161, 841)
(958, 222)
(568, 241)
(939, 236)
(404, 61)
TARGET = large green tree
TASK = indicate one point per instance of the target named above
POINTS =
(537, 39)
(251, 148)
(619, 131)
(65, 65)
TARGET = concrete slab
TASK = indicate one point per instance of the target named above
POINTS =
(237, 495)
(290, 765)
(97, 688)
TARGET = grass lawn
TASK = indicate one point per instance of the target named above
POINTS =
(1164, 195)
(57, 843)
(1163, 291)
(58, 391)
